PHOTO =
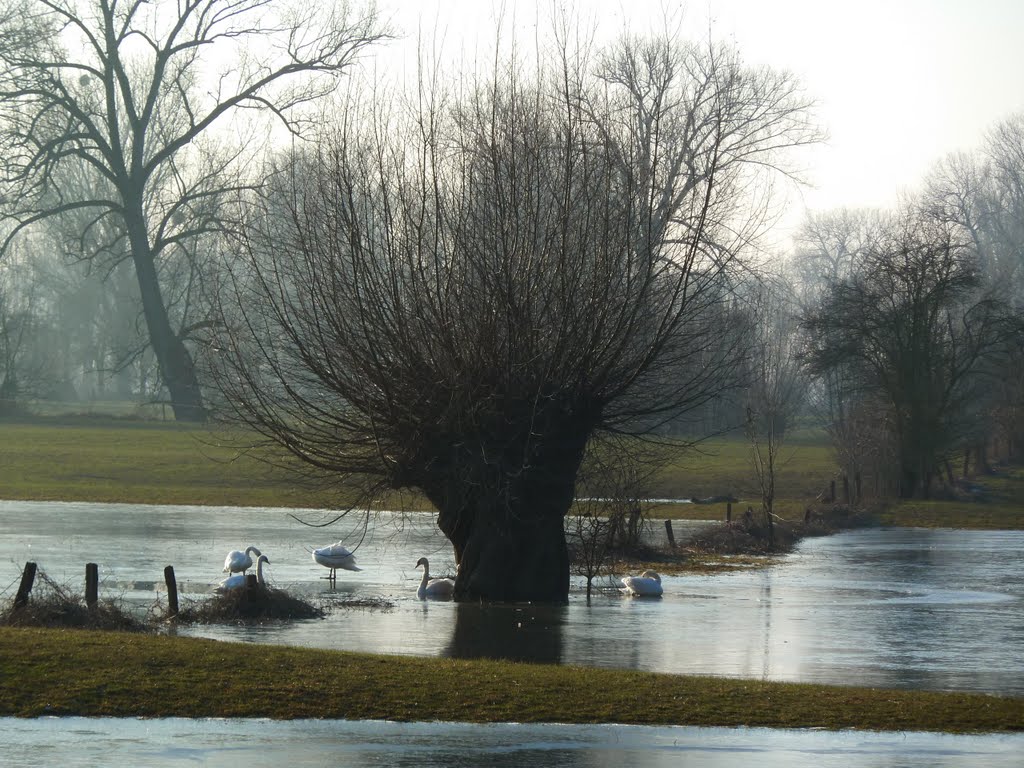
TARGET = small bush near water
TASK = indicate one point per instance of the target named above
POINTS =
(250, 606)
(51, 605)
(54, 606)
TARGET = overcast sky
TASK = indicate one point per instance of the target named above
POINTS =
(900, 83)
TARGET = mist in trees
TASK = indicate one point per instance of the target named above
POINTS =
(464, 288)
(108, 113)
(459, 302)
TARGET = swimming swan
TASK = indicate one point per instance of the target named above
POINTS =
(334, 557)
(238, 580)
(433, 587)
(238, 561)
(647, 584)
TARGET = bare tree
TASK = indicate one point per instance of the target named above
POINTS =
(982, 196)
(776, 389)
(131, 93)
(912, 328)
(456, 304)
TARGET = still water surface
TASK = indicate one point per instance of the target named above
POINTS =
(907, 608)
(76, 742)
(897, 607)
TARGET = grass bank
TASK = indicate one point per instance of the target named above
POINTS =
(53, 672)
(112, 460)
(153, 462)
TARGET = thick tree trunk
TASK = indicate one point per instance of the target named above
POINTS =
(508, 530)
(176, 365)
(509, 559)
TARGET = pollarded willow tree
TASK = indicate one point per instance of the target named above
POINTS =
(458, 302)
(130, 93)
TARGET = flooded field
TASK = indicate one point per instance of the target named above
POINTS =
(907, 608)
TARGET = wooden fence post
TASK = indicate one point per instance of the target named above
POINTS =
(728, 512)
(92, 585)
(172, 591)
(28, 577)
(671, 534)
(251, 585)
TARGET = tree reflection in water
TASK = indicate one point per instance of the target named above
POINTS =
(516, 632)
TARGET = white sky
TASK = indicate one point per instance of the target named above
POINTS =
(900, 83)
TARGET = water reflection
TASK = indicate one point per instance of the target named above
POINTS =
(898, 607)
(531, 633)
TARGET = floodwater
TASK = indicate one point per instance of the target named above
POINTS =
(78, 741)
(903, 608)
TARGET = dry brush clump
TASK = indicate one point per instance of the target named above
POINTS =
(251, 605)
(57, 606)
(749, 535)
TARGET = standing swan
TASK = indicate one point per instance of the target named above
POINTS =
(238, 561)
(238, 580)
(334, 557)
(433, 587)
(647, 584)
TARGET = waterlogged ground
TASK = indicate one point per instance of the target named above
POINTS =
(907, 608)
(75, 742)
(900, 607)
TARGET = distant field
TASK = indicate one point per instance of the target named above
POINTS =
(157, 462)
(92, 459)
(139, 461)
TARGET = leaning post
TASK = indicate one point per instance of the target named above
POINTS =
(172, 591)
(671, 534)
(28, 577)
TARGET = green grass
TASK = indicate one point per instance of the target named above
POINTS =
(142, 462)
(65, 672)
(153, 462)
(722, 467)
(113, 460)
(999, 507)
(117, 675)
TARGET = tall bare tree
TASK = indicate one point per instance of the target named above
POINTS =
(913, 328)
(131, 92)
(457, 304)
(776, 389)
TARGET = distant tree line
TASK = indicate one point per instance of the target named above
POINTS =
(913, 323)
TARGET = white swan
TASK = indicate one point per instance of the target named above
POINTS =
(238, 561)
(647, 584)
(433, 587)
(334, 557)
(238, 580)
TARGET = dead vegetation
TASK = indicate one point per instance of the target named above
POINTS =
(743, 542)
(55, 606)
(251, 605)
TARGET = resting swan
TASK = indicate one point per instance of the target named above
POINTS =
(238, 561)
(238, 580)
(335, 556)
(647, 584)
(429, 587)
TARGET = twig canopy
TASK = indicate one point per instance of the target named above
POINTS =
(458, 302)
